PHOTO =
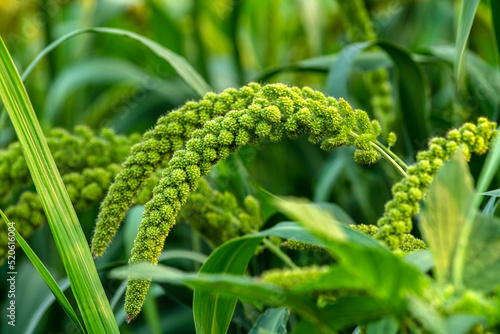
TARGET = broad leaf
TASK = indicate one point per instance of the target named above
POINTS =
(377, 270)
(482, 261)
(444, 213)
(212, 312)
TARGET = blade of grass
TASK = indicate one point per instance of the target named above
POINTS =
(47, 277)
(34, 322)
(180, 64)
(495, 20)
(64, 225)
(465, 19)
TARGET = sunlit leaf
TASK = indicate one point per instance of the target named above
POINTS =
(444, 213)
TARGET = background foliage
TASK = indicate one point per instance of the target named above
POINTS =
(108, 80)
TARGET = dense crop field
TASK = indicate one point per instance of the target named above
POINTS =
(247, 166)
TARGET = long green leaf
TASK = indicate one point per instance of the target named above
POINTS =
(47, 277)
(180, 64)
(99, 71)
(487, 173)
(213, 313)
(68, 234)
(445, 212)
(482, 261)
(495, 19)
(465, 19)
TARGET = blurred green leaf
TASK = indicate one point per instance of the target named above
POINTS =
(463, 323)
(369, 60)
(272, 321)
(310, 15)
(328, 176)
(99, 71)
(411, 83)
(384, 326)
(482, 261)
(444, 213)
(336, 81)
(491, 206)
(380, 291)
(427, 315)
(412, 86)
(68, 235)
(483, 78)
(421, 259)
(489, 170)
(465, 19)
(495, 19)
(180, 64)
(336, 212)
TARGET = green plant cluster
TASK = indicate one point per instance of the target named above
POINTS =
(87, 161)
(407, 193)
(250, 115)
(72, 153)
(217, 216)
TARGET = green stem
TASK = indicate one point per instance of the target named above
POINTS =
(392, 155)
(391, 160)
(387, 155)
(279, 253)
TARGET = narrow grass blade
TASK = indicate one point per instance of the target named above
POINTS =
(180, 64)
(465, 19)
(65, 227)
(47, 277)
(34, 322)
(495, 19)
